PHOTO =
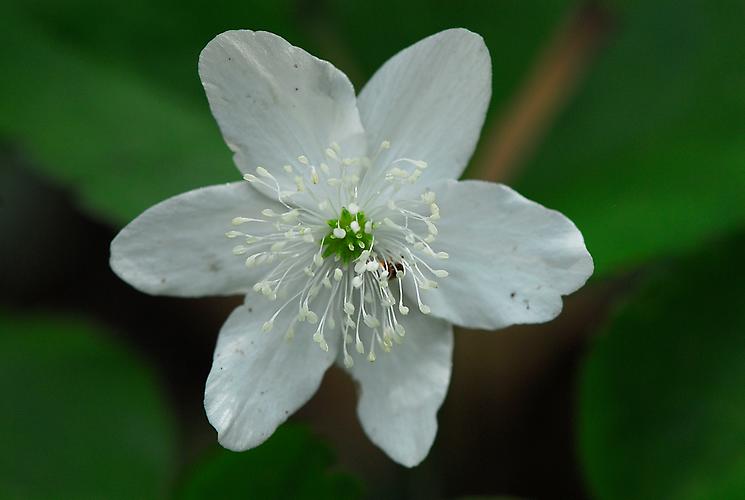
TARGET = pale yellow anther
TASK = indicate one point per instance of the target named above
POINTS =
(428, 197)
(348, 361)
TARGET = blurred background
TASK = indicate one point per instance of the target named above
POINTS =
(627, 116)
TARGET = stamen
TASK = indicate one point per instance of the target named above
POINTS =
(390, 240)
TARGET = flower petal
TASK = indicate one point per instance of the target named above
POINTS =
(275, 102)
(260, 378)
(178, 247)
(511, 259)
(430, 101)
(403, 389)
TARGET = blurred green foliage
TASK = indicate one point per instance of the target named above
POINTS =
(649, 159)
(118, 139)
(106, 99)
(291, 464)
(662, 411)
(650, 156)
(81, 418)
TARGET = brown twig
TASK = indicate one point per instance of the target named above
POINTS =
(548, 86)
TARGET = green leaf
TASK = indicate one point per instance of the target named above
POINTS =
(119, 141)
(81, 417)
(113, 113)
(662, 411)
(105, 98)
(291, 464)
(649, 159)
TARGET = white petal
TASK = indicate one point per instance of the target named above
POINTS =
(511, 259)
(403, 389)
(258, 379)
(430, 101)
(178, 247)
(275, 102)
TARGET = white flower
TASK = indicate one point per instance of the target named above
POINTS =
(351, 236)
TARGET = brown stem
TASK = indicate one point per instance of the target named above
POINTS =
(555, 76)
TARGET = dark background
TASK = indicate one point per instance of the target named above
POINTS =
(627, 116)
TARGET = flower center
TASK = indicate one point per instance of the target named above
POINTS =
(349, 236)
(333, 276)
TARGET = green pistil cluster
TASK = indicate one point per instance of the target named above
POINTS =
(355, 240)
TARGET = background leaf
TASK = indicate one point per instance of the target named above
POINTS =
(662, 411)
(81, 418)
(125, 122)
(650, 157)
(113, 137)
(291, 464)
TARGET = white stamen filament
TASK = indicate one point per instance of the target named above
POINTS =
(390, 237)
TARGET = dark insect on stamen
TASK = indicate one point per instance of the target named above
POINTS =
(392, 267)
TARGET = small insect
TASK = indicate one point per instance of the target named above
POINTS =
(393, 268)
